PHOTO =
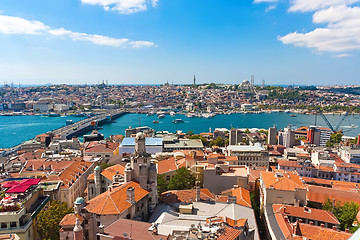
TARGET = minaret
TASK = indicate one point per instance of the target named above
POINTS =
(97, 171)
(194, 80)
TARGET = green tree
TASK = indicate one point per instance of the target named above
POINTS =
(247, 130)
(218, 142)
(335, 138)
(161, 184)
(189, 133)
(345, 213)
(48, 220)
(183, 179)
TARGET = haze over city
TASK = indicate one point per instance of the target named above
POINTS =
(151, 42)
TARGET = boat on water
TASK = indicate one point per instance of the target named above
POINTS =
(178, 121)
(293, 115)
(190, 115)
(155, 121)
(150, 114)
(161, 116)
(172, 113)
(287, 111)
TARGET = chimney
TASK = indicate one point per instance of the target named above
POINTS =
(286, 218)
(197, 192)
(311, 223)
(334, 228)
(130, 192)
(300, 220)
(322, 225)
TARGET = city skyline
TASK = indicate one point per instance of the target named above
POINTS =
(298, 42)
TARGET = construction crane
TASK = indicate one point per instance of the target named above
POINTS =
(336, 129)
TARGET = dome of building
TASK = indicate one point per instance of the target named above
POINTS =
(97, 168)
(79, 201)
(140, 135)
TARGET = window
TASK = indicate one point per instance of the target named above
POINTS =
(142, 206)
(3, 225)
(98, 224)
(13, 224)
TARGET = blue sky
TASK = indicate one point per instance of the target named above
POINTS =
(154, 41)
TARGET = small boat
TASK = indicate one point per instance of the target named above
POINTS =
(178, 121)
(161, 116)
(293, 115)
(172, 113)
(155, 121)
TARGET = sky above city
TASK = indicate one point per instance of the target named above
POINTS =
(301, 42)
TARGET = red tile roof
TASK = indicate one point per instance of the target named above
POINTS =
(110, 172)
(321, 194)
(242, 196)
(137, 230)
(189, 195)
(306, 213)
(288, 181)
(115, 201)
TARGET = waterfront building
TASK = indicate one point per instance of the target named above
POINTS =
(43, 107)
(235, 136)
(272, 132)
(131, 132)
(219, 133)
(246, 107)
(182, 144)
(152, 145)
(287, 138)
(318, 135)
(247, 155)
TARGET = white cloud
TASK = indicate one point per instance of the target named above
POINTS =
(313, 5)
(16, 25)
(123, 6)
(269, 8)
(341, 34)
(342, 55)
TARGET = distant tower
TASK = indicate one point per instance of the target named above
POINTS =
(194, 80)
(263, 83)
(97, 171)
(252, 81)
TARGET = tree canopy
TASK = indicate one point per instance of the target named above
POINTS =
(345, 213)
(183, 179)
(48, 220)
(218, 142)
